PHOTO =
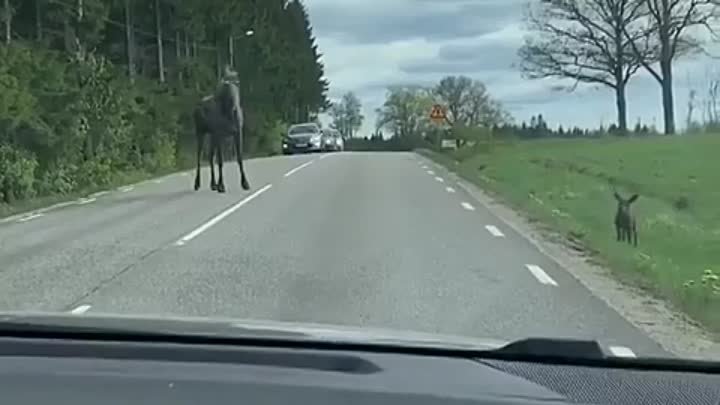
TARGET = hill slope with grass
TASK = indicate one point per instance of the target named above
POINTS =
(568, 185)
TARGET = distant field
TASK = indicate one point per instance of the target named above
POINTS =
(566, 184)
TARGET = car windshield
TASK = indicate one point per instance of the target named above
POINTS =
(489, 169)
(303, 129)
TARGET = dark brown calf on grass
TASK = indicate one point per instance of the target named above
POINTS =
(625, 226)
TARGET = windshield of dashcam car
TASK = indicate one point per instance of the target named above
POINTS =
(484, 169)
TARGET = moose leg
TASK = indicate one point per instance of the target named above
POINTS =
(213, 148)
(221, 183)
(238, 154)
(618, 232)
(634, 234)
(200, 142)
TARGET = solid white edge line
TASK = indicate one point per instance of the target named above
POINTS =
(540, 275)
(204, 227)
(494, 231)
(622, 351)
(83, 201)
(449, 189)
(126, 189)
(467, 206)
(295, 170)
(98, 194)
(30, 217)
(438, 178)
(81, 309)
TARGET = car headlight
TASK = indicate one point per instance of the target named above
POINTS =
(315, 139)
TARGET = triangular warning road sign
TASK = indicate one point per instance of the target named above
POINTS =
(437, 113)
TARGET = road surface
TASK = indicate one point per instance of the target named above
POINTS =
(361, 239)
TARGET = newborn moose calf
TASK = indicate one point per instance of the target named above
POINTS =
(624, 220)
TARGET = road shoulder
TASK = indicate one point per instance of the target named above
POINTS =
(668, 327)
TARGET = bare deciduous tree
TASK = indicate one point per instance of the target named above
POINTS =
(667, 22)
(591, 41)
(468, 102)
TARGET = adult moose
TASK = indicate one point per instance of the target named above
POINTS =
(220, 116)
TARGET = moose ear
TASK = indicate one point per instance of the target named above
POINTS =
(633, 198)
(617, 196)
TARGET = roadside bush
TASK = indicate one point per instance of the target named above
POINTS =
(17, 174)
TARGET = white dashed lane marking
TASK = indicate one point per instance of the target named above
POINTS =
(440, 179)
(449, 189)
(80, 309)
(494, 231)
(430, 172)
(126, 189)
(204, 227)
(622, 351)
(467, 206)
(540, 275)
(98, 194)
(295, 170)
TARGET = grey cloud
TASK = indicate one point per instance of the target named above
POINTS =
(459, 59)
(421, 19)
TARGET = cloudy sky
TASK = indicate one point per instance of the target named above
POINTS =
(370, 44)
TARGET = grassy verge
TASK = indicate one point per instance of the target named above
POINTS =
(565, 184)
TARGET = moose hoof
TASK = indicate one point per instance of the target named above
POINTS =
(213, 187)
(245, 185)
(221, 188)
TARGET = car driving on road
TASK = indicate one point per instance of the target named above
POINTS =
(332, 140)
(305, 137)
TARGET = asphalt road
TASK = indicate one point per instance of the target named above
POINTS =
(361, 239)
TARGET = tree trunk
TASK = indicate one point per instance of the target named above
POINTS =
(231, 52)
(8, 22)
(667, 97)
(177, 46)
(129, 42)
(159, 39)
(621, 103)
(38, 20)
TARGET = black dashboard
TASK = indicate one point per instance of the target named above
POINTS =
(81, 371)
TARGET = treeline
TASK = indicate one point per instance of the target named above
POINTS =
(91, 89)
(537, 128)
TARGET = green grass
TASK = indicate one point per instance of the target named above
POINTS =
(565, 184)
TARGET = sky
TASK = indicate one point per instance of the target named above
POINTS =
(368, 45)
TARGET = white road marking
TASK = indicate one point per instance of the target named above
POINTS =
(98, 194)
(622, 351)
(438, 178)
(80, 309)
(295, 170)
(449, 189)
(158, 181)
(324, 156)
(494, 231)
(30, 217)
(204, 227)
(467, 206)
(84, 201)
(126, 189)
(540, 274)
(430, 172)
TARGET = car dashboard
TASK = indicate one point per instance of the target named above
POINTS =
(84, 371)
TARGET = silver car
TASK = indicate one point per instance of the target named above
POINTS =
(305, 137)
(332, 140)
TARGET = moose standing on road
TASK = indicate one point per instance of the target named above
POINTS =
(625, 226)
(221, 116)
